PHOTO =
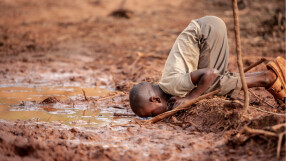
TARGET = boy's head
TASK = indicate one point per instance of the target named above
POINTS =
(145, 100)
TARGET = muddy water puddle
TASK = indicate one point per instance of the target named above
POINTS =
(24, 103)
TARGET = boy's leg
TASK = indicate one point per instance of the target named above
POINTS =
(260, 79)
(214, 53)
(257, 79)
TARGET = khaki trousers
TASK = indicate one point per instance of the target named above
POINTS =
(214, 53)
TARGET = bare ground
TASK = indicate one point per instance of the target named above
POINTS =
(82, 43)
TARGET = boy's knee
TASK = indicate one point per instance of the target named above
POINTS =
(217, 28)
(212, 74)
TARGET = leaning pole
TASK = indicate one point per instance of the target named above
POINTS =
(239, 56)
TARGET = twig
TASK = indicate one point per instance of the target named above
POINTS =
(273, 113)
(84, 95)
(113, 77)
(268, 133)
(280, 138)
(239, 56)
(252, 92)
(92, 116)
(131, 67)
(139, 122)
(119, 125)
(153, 56)
(108, 97)
(194, 125)
(276, 127)
(49, 118)
(237, 101)
(122, 4)
(126, 124)
(140, 55)
(181, 107)
(124, 114)
(259, 131)
(254, 64)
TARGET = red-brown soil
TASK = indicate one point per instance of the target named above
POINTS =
(53, 43)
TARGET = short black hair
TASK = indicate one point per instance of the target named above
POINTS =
(138, 95)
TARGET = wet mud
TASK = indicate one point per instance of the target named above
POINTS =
(66, 69)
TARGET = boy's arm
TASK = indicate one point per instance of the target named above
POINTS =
(203, 78)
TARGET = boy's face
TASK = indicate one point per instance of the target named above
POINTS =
(153, 108)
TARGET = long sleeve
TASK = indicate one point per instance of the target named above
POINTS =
(182, 60)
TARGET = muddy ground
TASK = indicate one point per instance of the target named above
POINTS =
(85, 43)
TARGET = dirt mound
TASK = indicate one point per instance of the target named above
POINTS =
(49, 100)
(266, 121)
(122, 13)
(264, 138)
(211, 115)
(18, 141)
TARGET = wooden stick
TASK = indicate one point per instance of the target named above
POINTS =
(280, 138)
(156, 56)
(112, 96)
(259, 131)
(258, 109)
(124, 114)
(239, 57)
(49, 118)
(84, 95)
(122, 4)
(273, 113)
(126, 124)
(252, 92)
(277, 127)
(254, 64)
(181, 107)
(92, 116)
(195, 126)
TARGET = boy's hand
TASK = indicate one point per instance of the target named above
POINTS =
(177, 101)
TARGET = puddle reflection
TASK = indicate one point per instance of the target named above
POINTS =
(23, 103)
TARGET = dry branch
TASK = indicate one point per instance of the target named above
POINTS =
(268, 133)
(124, 114)
(194, 125)
(252, 92)
(259, 131)
(181, 107)
(92, 116)
(254, 65)
(84, 95)
(277, 127)
(122, 4)
(154, 56)
(126, 124)
(273, 113)
(239, 56)
(280, 138)
(112, 96)
(258, 109)
(49, 118)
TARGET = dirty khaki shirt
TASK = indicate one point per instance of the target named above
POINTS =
(182, 60)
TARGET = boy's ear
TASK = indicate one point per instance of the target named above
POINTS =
(155, 99)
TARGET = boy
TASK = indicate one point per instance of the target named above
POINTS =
(197, 64)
